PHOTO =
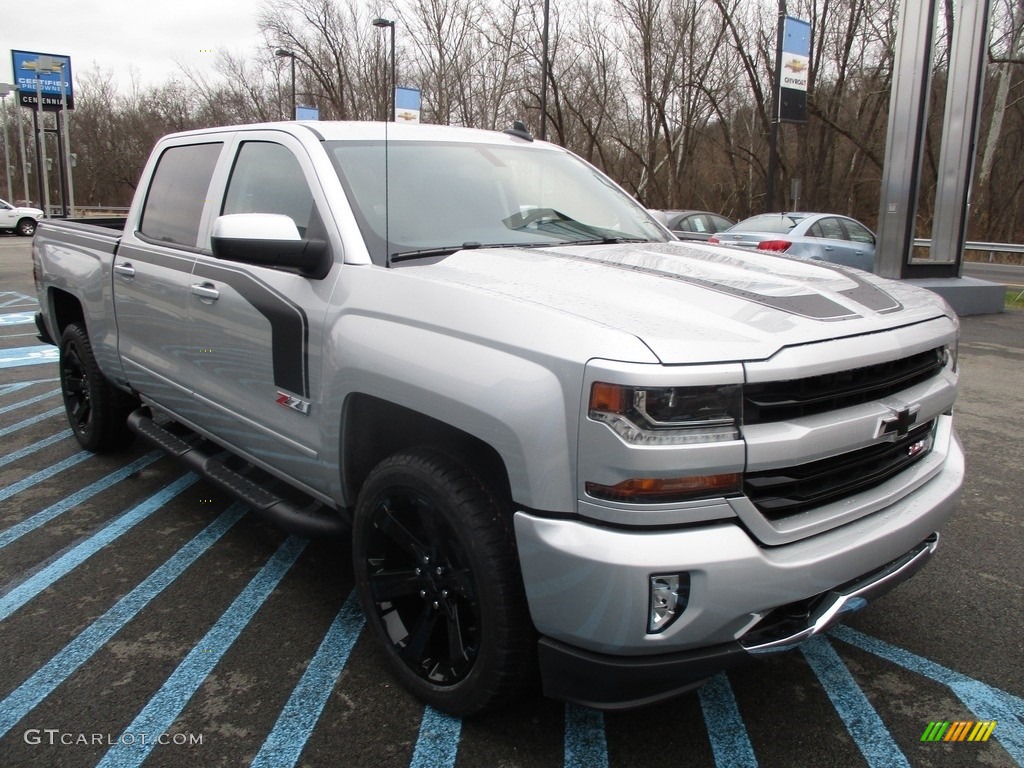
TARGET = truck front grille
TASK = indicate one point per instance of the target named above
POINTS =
(784, 492)
(783, 400)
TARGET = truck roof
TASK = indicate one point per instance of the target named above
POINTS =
(365, 130)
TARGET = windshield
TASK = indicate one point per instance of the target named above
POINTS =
(446, 196)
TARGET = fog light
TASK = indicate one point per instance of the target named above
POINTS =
(669, 594)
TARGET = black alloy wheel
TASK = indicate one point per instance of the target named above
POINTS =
(96, 411)
(439, 581)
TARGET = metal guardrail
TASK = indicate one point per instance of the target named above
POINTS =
(921, 242)
(57, 212)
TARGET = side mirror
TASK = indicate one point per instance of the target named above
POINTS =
(268, 240)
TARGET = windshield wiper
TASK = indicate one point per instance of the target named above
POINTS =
(448, 250)
(606, 241)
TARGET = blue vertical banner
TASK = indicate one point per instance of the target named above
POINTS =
(793, 70)
(51, 80)
(407, 105)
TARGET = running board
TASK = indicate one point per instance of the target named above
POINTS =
(266, 504)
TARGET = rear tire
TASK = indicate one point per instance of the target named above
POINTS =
(97, 412)
(439, 580)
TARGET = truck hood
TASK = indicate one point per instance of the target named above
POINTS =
(690, 302)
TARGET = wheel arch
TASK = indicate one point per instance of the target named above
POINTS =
(373, 429)
(65, 308)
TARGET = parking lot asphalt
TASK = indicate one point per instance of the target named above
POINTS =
(145, 617)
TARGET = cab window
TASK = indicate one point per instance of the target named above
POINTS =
(177, 193)
(267, 178)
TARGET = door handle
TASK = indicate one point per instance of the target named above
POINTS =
(205, 291)
(125, 269)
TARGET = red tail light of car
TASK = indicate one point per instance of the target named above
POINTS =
(774, 246)
(714, 240)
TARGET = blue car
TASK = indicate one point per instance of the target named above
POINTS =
(814, 236)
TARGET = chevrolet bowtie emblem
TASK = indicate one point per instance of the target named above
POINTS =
(899, 423)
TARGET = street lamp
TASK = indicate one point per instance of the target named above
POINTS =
(291, 55)
(65, 72)
(381, 23)
(5, 89)
(40, 65)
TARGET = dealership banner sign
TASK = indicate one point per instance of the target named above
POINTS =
(407, 105)
(793, 70)
(50, 81)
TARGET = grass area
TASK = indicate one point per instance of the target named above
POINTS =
(1015, 299)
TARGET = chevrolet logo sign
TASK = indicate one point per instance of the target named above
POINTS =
(898, 424)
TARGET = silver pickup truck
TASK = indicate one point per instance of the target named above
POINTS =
(559, 439)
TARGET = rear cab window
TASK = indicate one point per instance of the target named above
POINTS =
(178, 193)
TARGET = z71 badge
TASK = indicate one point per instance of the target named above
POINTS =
(295, 403)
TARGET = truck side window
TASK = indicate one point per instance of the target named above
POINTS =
(177, 194)
(268, 179)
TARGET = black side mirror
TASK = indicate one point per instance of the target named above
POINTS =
(269, 240)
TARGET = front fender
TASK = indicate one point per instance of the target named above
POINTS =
(526, 410)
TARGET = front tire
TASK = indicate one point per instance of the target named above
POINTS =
(97, 412)
(439, 580)
(26, 227)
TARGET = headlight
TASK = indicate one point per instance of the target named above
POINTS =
(669, 415)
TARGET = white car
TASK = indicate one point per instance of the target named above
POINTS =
(19, 220)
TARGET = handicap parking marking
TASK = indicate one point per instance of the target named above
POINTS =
(17, 318)
(34, 355)
(17, 299)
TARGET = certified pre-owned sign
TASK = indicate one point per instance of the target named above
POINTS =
(45, 74)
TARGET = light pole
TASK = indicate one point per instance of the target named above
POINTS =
(4, 90)
(21, 144)
(291, 55)
(41, 64)
(381, 23)
(544, 74)
(65, 70)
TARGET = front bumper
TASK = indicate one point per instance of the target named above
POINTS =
(588, 589)
(603, 681)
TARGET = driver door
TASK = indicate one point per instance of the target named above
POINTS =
(256, 330)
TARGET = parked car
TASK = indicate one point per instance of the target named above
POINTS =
(814, 236)
(695, 225)
(20, 220)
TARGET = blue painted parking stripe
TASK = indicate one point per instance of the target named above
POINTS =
(29, 422)
(28, 450)
(13, 298)
(165, 706)
(70, 560)
(922, 666)
(43, 474)
(288, 738)
(17, 318)
(862, 721)
(437, 744)
(29, 524)
(730, 743)
(30, 401)
(29, 694)
(17, 386)
(37, 354)
(585, 742)
(985, 701)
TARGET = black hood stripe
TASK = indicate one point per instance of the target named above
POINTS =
(813, 306)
